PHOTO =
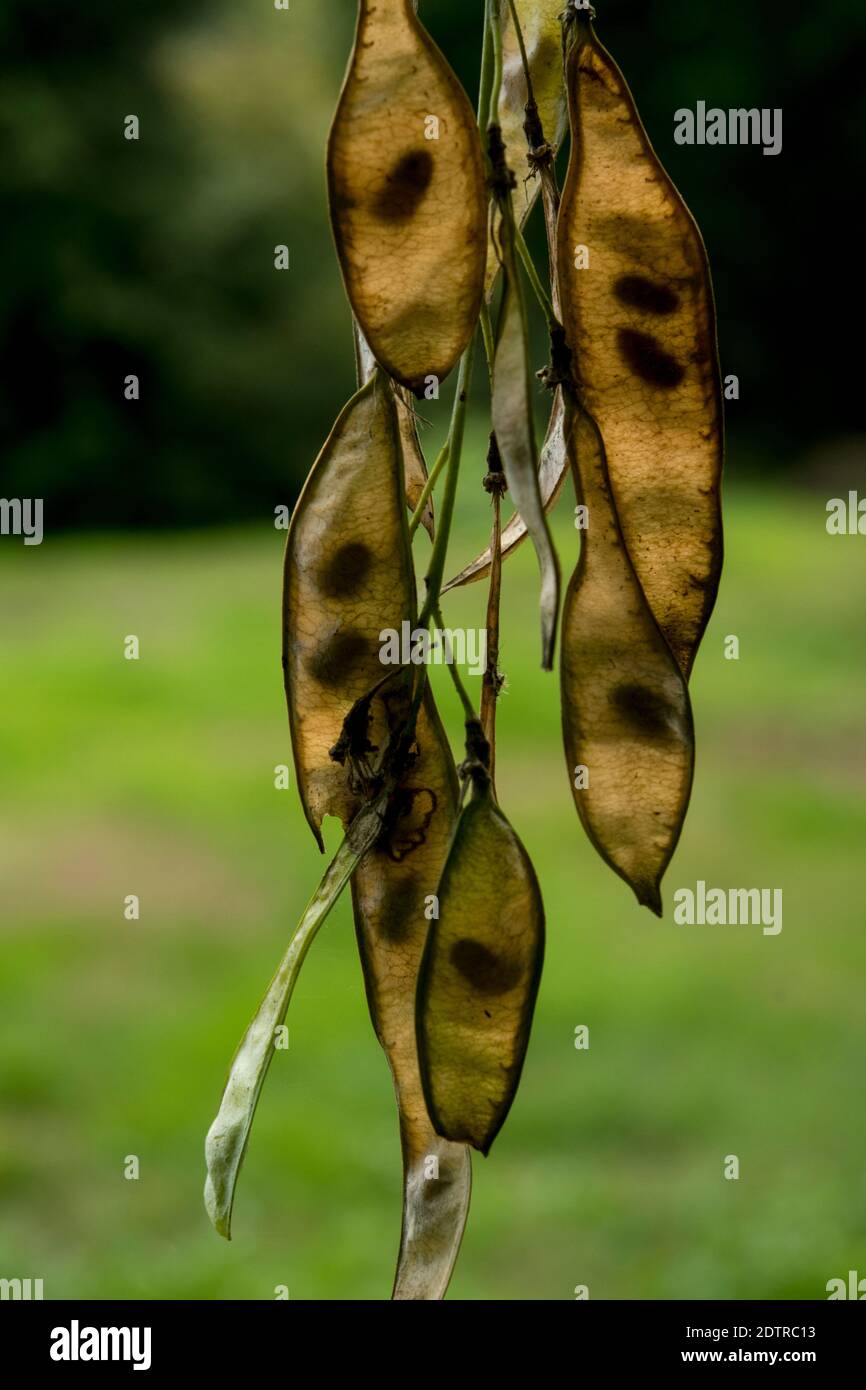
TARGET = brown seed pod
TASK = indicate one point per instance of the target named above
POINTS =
(641, 323)
(479, 976)
(542, 39)
(388, 892)
(347, 574)
(407, 196)
(348, 577)
(414, 463)
(514, 427)
(626, 715)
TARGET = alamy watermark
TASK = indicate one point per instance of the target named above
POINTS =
(21, 1290)
(77, 1343)
(22, 516)
(736, 126)
(720, 907)
(443, 646)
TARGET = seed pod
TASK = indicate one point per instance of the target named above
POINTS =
(542, 38)
(389, 892)
(407, 196)
(552, 472)
(479, 976)
(347, 576)
(414, 463)
(513, 422)
(626, 716)
(641, 324)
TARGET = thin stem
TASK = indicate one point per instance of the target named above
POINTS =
(433, 477)
(550, 199)
(487, 335)
(491, 680)
(457, 679)
(533, 277)
(486, 80)
(450, 455)
(436, 570)
(496, 36)
(530, 96)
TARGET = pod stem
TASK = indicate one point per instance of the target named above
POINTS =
(535, 279)
(432, 479)
(495, 485)
(456, 678)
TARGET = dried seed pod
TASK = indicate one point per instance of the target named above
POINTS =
(641, 323)
(229, 1134)
(479, 976)
(414, 463)
(348, 577)
(514, 425)
(552, 472)
(626, 715)
(542, 38)
(348, 572)
(407, 196)
(389, 893)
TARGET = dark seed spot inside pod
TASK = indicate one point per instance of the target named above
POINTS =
(648, 359)
(347, 568)
(647, 295)
(402, 911)
(332, 660)
(486, 972)
(404, 187)
(414, 807)
(646, 710)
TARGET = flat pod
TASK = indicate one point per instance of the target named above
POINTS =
(389, 891)
(348, 576)
(407, 196)
(641, 322)
(514, 426)
(479, 977)
(540, 26)
(626, 715)
(552, 472)
(414, 463)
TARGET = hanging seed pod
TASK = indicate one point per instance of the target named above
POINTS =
(512, 410)
(626, 716)
(407, 196)
(641, 323)
(542, 39)
(414, 463)
(480, 973)
(389, 892)
(347, 576)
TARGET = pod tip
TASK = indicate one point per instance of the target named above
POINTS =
(649, 895)
(220, 1219)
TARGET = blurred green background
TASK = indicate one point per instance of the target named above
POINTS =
(156, 777)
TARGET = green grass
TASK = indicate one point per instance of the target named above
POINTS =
(156, 778)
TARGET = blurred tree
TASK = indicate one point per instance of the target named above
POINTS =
(155, 257)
